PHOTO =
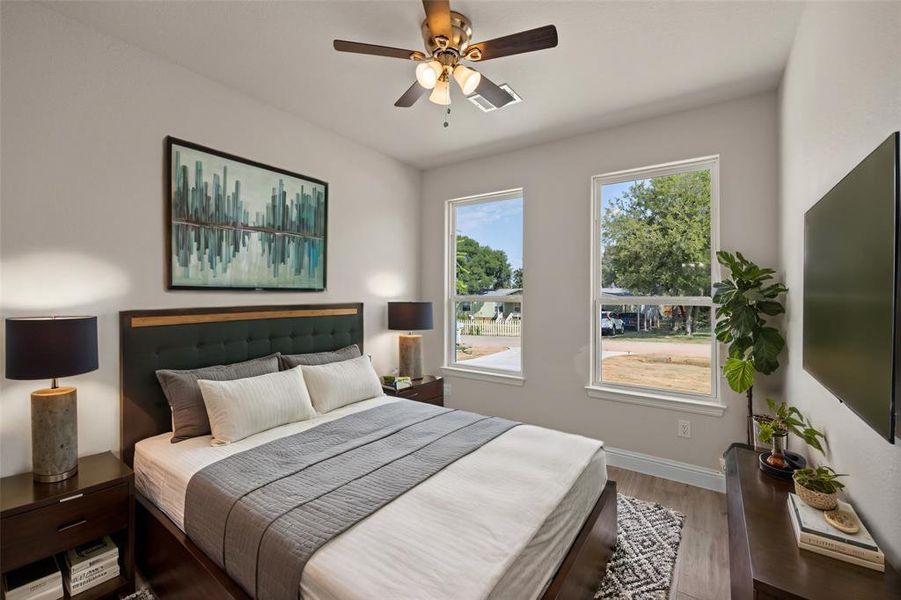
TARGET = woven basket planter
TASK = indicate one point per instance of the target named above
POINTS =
(818, 500)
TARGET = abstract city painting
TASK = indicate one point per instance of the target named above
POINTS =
(238, 224)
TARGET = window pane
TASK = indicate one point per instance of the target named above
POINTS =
(488, 335)
(655, 236)
(489, 247)
(665, 347)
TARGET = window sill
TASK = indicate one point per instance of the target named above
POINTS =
(518, 380)
(700, 407)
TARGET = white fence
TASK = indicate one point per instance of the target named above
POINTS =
(511, 328)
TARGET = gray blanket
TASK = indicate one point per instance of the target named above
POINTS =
(262, 514)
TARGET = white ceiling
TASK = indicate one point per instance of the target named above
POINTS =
(616, 61)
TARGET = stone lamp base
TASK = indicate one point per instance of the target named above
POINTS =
(410, 351)
(54, 434)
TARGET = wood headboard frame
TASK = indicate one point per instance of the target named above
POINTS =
(198, 337)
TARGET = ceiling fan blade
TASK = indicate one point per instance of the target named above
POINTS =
(413, 93)
(437, 13)
(493, 93)
(374, 50)
(517, 43)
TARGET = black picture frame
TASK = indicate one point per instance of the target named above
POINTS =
(170, 143)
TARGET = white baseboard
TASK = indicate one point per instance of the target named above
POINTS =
(701, 477)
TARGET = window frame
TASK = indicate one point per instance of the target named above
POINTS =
(451, 298)
(711, 404)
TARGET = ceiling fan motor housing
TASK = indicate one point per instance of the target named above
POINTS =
(461, 36)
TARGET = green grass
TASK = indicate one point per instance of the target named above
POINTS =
(702, 337)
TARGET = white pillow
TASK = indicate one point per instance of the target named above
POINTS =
(242, 407)
(334, 385)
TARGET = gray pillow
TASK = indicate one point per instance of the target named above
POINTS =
(289, 361)
(189, 418)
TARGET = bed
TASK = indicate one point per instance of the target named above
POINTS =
(528, 512)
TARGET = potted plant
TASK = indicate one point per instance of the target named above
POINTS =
(744, 301)
(775, 428)
(758, 420)
(818, 487)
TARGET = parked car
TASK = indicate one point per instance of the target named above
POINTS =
(630, 321)
(611, 324)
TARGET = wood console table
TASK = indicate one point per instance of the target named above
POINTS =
(764, 557)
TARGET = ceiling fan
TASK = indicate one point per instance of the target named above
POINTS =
(447, 36)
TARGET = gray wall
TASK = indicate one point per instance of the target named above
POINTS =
(840, 98)
(83, 122)
(556, 182)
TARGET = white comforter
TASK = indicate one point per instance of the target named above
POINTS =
(495, 523)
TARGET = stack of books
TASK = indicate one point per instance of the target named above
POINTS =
(37, 581)
(400, 383)
(815, 534)
(90, 565)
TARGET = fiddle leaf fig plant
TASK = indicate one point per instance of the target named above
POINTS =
(744, 301)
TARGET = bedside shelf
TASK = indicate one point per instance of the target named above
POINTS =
(39, 520)
(111, 589)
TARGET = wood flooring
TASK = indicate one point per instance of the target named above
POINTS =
(702, 571)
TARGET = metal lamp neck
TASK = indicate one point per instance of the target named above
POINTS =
(54, 383)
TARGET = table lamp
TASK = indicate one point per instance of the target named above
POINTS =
(410, 317)
(50, 348)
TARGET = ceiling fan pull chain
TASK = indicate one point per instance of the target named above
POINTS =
(447, 117)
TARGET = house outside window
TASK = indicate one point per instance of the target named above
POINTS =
(654, 238)
(484, 288)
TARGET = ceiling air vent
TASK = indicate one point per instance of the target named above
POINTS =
(486, 106)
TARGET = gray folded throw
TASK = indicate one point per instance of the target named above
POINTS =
(262, 514)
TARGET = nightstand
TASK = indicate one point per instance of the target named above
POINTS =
(429, 389)
(38, 520)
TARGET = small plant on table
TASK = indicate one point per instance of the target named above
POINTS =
(818, 487)
(775, 428)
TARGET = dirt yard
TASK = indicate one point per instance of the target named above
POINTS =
(683, 373)
(657, 347)
(470, 352)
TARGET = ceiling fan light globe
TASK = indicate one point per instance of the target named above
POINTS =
(427, 73)
(441, 93)
(468, 79)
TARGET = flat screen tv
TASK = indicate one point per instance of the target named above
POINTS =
(852, 323)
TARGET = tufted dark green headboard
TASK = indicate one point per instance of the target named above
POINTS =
(199, 337)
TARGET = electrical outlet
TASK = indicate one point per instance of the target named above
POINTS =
(684, 428)
(447, 389)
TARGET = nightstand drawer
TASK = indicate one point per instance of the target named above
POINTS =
(427, 392)
(70, 521)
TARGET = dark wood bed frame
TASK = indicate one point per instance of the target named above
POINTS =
(189, 338)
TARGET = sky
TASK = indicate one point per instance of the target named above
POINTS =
(611, 191)
(497, 225)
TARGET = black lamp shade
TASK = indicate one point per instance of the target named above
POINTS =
(409, 316)
(50, 347)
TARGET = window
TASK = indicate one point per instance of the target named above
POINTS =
(653, 260)
(485, 284)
